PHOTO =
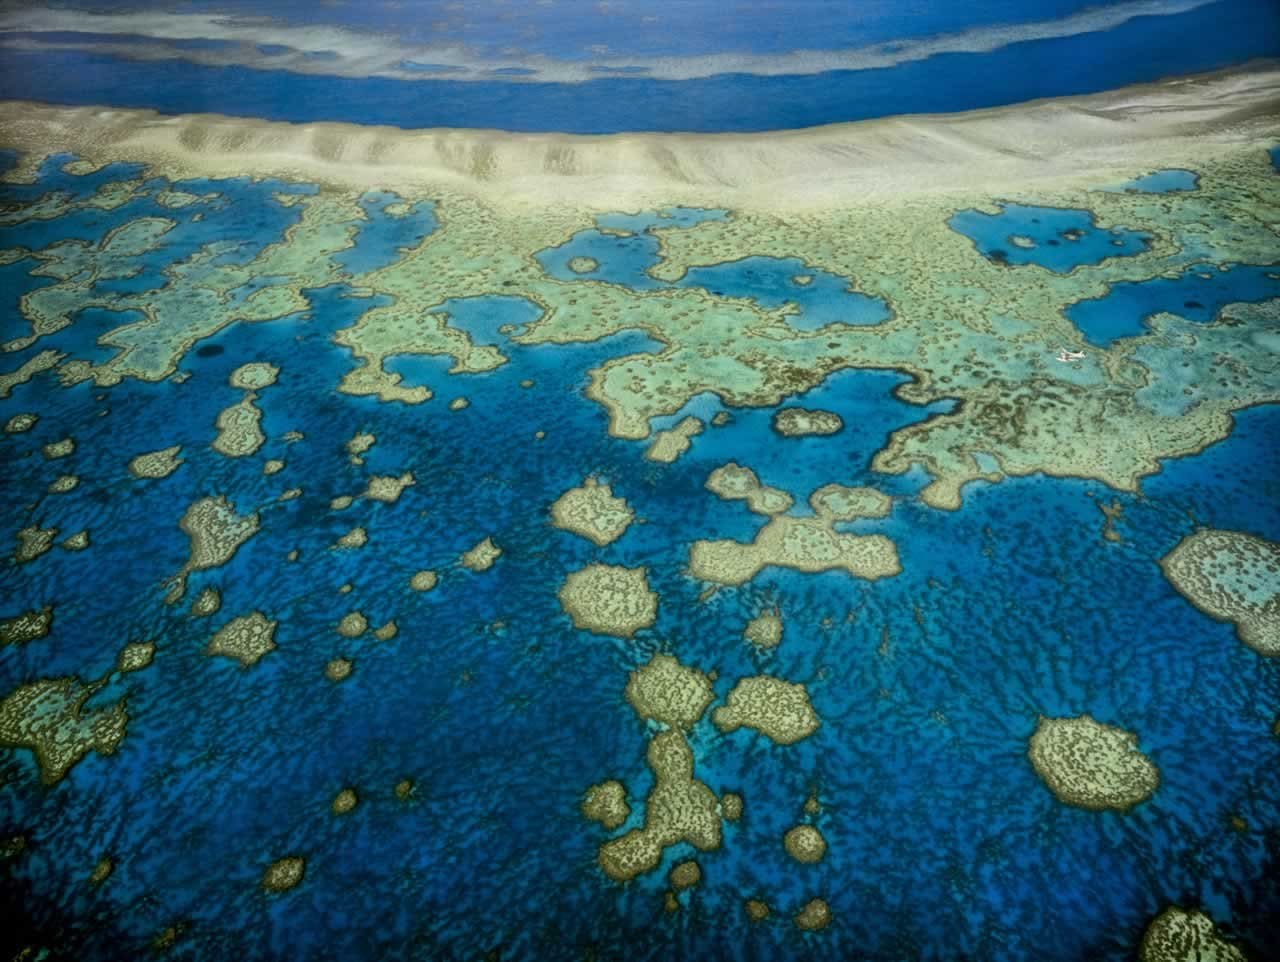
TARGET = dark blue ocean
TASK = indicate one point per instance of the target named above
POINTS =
(1142, 49)
(943, 843)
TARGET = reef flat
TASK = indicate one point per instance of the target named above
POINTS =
(1232, 576)
(1092, 765)
(644, 547)
(974, 333)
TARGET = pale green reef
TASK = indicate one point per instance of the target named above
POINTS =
(962, 326)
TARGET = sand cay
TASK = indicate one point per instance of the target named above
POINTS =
(1176, 122)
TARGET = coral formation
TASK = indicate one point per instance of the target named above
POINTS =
(388, 488)
(76, 542)
(731, 806)
(798, 422)
(423, 580)
(663, 690)
(239, 429)
(606, 803)
(206, 603)
(33, 541)
(216, 533)
(684, 875)
(481, 557)
(667, 446)
(135, 656)
(679, 809)
(804, 843)
(245, 639)
(1233, 577)
(345, 801)
(777, 709)
(353, 624)
(20, 423)
(1091, 765)
(808, 544)
(815, 915)
(29, 626)
(357, 537)
(283, 874)
(593, 512)
(764, 630)
(733, 482)
(1178, 935)
(609, 600)
(59, 449)
(49, 717)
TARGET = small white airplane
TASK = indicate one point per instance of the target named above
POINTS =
(1066, 357)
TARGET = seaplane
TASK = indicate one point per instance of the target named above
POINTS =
(1066, 357)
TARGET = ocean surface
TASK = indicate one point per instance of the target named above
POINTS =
(943, 843)
(996, 53)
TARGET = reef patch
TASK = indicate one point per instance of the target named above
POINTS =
(1233, 577)
(1091, 765)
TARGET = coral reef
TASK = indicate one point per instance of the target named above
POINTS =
(609, 600)
(679, 809)
(1091, 765)
(593, 512)
(663, 690)
(1233, 577)
(777, 709)
(245, 639)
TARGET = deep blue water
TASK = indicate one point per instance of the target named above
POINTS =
(1140, 50)
(569, 27)
(1197, 294)
(603, 254)
(943, 842)
(1052, 237)
(824, 298)
(384, 235)
(623, 247)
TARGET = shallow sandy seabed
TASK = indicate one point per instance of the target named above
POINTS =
(808, 168)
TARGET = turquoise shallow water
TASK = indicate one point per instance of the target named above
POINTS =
(943, 843)
(1162, 182)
